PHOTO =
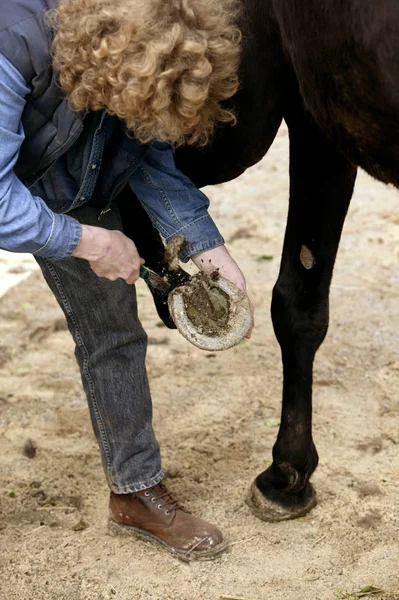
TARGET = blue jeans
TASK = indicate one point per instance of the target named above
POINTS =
(110, 349)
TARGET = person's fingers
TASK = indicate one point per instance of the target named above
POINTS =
(123, 263)
(249, 334)
(133, 277)
(103, 272)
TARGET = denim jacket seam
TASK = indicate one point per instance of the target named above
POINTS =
(165, 198)
(191, 224)
(49, 237)
(197, 247)
(90, 177)
(123, 179)
(156, 223)
(76, 238)
(17, 23)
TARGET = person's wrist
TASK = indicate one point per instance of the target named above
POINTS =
(219, 259)
(95, 243)
(208, 260)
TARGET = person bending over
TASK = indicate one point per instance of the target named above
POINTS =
(94, 96)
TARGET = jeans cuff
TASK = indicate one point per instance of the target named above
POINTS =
(138, 487)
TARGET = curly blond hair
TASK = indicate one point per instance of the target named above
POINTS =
(162, 66)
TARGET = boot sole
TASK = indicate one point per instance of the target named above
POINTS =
(184, 555)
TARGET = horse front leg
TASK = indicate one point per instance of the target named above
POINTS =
(138, 227)
(320, 191)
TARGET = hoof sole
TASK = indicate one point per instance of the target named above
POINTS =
(284, 507)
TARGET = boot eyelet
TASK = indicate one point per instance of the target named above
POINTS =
(153, 499)
(146, 494)
(167, 512)
(159, 506)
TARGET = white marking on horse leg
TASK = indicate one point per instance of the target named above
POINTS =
(307, 258)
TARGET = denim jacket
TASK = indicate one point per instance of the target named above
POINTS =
(35, 218)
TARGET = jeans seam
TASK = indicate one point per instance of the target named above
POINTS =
(80, 342)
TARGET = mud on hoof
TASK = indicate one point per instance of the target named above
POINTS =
(280, 506)
(175, 278)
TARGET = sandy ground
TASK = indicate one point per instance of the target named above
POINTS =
(14, 268)
(215, 417)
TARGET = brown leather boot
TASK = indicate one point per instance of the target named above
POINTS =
(155, 515)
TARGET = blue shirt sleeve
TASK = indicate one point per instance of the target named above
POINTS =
(173, 203)
(26, 222)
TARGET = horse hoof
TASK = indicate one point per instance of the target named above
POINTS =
(210, 312)
(280, 506)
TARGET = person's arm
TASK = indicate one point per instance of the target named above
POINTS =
(26, 222)
(176, 206)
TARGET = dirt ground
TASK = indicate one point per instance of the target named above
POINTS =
(216, 417)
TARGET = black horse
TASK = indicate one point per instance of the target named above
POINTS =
(329, 68)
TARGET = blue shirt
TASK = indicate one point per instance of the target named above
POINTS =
(27, 221)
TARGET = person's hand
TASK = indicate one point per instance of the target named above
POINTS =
(219, 259)
(110, 253)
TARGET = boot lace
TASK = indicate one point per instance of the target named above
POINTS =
(165, 500)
